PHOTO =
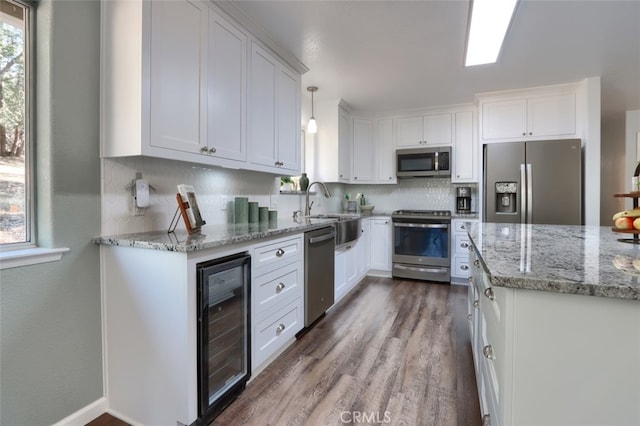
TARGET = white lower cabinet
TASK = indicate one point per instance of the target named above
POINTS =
(548, 358)
(277, 302)
(381, 244)
(352, 262)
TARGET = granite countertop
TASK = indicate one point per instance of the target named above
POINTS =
(210, 236)
(587, 260)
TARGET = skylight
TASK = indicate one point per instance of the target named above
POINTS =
(489, 22)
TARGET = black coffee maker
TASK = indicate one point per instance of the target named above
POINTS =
(463, 199)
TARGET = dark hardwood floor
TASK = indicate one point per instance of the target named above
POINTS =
(391, 352)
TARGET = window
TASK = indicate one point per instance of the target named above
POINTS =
(16, 207)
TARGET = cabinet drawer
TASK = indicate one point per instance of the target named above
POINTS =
(460, 266)
(276, 254)
(274, 332)
(461, 244)
(491, 355)
(276, 287)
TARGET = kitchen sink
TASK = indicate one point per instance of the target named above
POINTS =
(348, 227)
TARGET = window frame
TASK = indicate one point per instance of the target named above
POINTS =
(30, 241)
(27, 253)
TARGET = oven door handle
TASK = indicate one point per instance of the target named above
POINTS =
(421, 225)
(432, 270)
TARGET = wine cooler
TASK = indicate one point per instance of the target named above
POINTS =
(223, 333)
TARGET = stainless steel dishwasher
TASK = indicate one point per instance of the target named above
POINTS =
(319, 263)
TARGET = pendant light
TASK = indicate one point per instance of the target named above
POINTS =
(312, 127)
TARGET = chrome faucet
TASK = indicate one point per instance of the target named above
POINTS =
(325, 192)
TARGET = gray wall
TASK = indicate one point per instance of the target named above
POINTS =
(50, 331)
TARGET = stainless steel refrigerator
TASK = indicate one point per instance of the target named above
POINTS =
(533, 182)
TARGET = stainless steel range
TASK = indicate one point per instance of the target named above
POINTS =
(422, 245)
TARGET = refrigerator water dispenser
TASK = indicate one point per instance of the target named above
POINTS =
(506, 197)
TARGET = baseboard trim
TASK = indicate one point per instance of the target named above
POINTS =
(86, 414)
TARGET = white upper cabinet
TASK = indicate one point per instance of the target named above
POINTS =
(331, 158)
(529, 117)
(364, 152)
(175, 84)
(433, 129)
(227, 89)
(178, 71)
(289, 145)
(345, 145)
(386, 152)
(465, 149)
(274, 115)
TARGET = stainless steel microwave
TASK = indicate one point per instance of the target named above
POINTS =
(421, 162)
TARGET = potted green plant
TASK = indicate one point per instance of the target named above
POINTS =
(286, 183)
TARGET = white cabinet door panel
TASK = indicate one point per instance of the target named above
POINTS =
(437, 129)
(227, 95)
(178, 75)
(552, 116)
(504, 119)
(288, 120)
(263, 147)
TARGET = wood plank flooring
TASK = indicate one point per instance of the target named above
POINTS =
(392, 352)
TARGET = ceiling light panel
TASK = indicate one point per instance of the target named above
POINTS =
(489, 23)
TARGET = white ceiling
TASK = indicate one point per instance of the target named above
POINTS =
(392, 55)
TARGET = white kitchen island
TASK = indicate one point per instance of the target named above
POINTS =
(555, 323)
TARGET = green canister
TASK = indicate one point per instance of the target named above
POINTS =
(241, 211)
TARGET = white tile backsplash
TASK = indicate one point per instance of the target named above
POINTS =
(217, 186)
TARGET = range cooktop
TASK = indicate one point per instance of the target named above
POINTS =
(425, 213)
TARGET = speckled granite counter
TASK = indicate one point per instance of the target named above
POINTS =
(586, 260)
(211, 236)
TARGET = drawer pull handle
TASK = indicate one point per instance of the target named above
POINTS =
(489, 293)
(280, 252)
(476, 303)
(280, 329)
(464, 267)
(476, 263)
(464, 245)
(279, 287)
(487, 351)
(486, 420)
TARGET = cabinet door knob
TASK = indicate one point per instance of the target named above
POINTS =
(476, 263)
(488, 292)
(464, 267)
(390, 178)
(204, 150)
(279, 287)
(469, 316)
(355, 177)
(486, 420)
(487, 351)
(212, 151)
(280, 329)
(464, 245)
(280, 252)
(524, 133)
(476, 303)
(530, 133)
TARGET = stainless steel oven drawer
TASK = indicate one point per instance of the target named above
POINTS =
(425, 273)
